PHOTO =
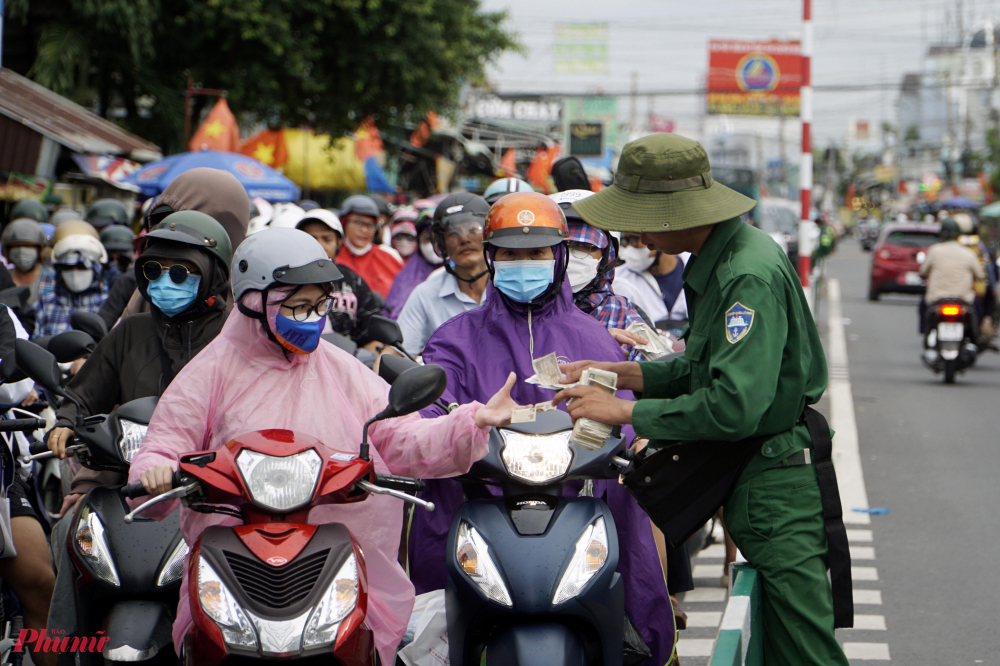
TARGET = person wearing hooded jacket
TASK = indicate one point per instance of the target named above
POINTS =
(214, 192)
(528, 312)
(77, 279)
(421, 263)
(145, 352)
(269, 368)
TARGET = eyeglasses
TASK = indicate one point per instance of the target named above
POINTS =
(178, 272)
(302, 311)
(464, 230)
(579, 250)
(632, 241)
(367, 226)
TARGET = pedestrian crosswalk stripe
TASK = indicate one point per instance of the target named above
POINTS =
(706, 595)
(716, 551)
(707, 571)
(868, 597)
(859, 536)
(864, 573)
(695, 647)
(862, 553)
(867, 651)
(704, 618)
(869, 622)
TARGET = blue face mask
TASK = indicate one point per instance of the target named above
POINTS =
(301, 337)
(523, 281)
(170, 298)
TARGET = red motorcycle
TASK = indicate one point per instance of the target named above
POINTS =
(277, 588)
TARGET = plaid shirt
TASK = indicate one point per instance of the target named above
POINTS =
(603, 304)
(56, 303)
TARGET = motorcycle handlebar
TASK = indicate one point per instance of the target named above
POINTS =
(403, 483)
(37, 447)
(23, 425)
(133, 490)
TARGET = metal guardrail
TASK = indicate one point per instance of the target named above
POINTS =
(741, 633)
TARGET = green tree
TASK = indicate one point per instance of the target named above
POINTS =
(323, 63)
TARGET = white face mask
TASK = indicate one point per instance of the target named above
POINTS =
(357, 251)
(638, 258)
(428, 253)
(77, 281)
(581, 272)
(23, 258)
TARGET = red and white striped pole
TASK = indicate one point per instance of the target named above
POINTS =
(806, 163)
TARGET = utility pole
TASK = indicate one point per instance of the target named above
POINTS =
(633, 111)
(805, 162)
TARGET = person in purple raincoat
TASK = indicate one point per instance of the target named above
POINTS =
(421, 263)
(528, 312)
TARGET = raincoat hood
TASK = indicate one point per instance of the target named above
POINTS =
(213, 192)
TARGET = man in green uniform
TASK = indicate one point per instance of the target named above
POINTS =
(753, 362)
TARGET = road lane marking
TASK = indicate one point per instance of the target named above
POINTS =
(704, 618)
(867, 651)
(859, 536)
(846, 454)
(867, 597)
(706, 595)
(864, 573)
(869, 622)
(862, 553)
(695, 647)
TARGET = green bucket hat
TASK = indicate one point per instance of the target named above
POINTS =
(663, 183)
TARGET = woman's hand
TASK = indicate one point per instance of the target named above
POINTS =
(594, 403)
(158, 480)
(498, 410)
(31, 399)
(57, 441)
(623, 337)
(69, 502)
(629, 373)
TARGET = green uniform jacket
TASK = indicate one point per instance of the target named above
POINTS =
(753, 359)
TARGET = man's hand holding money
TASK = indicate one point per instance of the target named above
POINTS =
(629, 373)
(594, 403)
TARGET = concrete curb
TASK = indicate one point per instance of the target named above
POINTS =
(741, 633)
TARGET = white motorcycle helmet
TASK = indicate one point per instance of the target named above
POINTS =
(278, 257)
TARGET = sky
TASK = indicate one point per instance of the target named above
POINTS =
(665, 42)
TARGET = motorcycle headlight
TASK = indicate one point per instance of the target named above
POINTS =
(93, 547)
(218, 603)
(475, 560)
(173, 569)
(132, 436)
(337, 603)
(536, 459)
(590, 555)
(280, 483)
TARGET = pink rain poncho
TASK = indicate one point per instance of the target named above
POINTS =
(243, 382)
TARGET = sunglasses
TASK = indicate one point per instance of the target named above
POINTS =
(178, 273)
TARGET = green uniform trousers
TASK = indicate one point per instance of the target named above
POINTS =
(776, 520)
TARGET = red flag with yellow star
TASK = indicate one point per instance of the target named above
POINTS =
(219, 130)
(267, 146)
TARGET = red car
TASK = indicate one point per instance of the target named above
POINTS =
(897, 256)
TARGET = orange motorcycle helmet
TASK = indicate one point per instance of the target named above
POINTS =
(525, 220)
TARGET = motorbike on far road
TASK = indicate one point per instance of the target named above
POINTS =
(950, 340)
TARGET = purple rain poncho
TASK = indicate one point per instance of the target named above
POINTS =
(410, 275)
(478, 349)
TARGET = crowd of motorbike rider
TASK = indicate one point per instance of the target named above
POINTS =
(202, 311)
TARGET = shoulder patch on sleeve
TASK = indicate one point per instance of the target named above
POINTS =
(739, 319)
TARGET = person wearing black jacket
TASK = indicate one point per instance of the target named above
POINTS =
(183, 273)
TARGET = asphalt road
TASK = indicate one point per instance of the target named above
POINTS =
(931, 454)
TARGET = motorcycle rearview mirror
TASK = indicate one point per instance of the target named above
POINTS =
(42, 367)
(341, 341)
(15, 297)
(69, 346)
(413, 390)
(387, 331)
(90, 323)
(9, 372)
(569, 174)
(391, 367)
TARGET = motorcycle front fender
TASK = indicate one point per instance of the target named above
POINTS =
(137, 630)
(550, 643)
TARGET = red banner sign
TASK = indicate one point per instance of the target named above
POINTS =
(751, 78)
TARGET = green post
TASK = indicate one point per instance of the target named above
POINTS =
(740, 641)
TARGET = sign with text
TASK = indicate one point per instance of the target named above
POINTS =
(754, 78)
(492, 107)
(581, 48)
(586, 139)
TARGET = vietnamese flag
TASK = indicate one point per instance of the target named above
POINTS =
(509, 163)
(541, 167)
(219, 131)
(268, 147)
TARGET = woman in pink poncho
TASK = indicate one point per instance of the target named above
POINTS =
(268, 368)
